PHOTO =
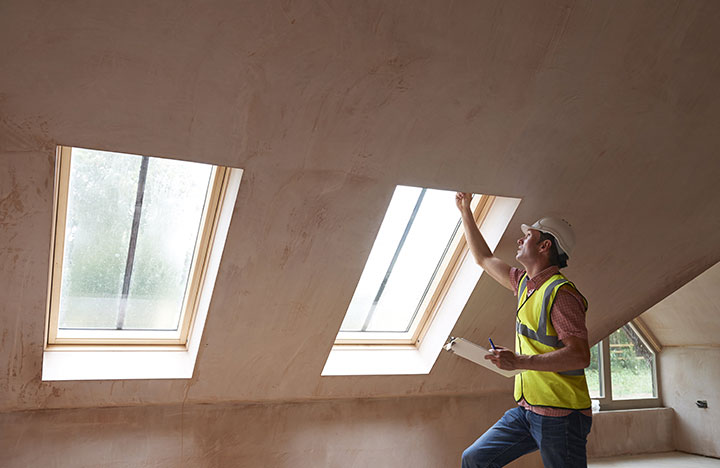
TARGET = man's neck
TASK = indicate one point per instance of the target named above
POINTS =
(533, 269)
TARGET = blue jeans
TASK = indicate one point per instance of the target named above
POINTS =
(561, 440)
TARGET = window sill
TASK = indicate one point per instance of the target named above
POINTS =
(119, 365)
(630, 410)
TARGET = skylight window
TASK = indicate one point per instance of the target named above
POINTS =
(415, 251)
(132, 236)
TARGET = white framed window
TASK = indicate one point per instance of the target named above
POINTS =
(136, 244)
(623, 369)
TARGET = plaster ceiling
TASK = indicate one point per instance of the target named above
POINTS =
(691, 315)
(603, 112)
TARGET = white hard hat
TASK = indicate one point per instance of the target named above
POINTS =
(559, 228)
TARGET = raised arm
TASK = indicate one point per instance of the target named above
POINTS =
(499, 270)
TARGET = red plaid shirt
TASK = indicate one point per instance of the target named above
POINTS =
(567, 316)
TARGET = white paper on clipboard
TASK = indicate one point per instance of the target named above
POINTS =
(476, 354)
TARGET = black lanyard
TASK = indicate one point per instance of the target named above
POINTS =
(524, 302)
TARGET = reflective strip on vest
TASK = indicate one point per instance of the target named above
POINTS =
(541, 335)
(523, 284)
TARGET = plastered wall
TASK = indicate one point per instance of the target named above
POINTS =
(418, 432)
(327, 106)
(631, 432)
(580, 108)
(690, 374)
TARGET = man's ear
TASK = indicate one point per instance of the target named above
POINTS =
(545, 245)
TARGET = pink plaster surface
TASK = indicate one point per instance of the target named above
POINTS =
(630, 432)
(424, 432)
(691, 315)
(691, 374)
(603, 112)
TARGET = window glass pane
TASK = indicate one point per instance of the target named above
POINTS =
(412, 242)
(632, 366)
(175, 195)
(593, 373)
(102, 194)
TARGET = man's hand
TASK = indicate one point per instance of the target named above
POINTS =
(574, 355)
(499, 270)
(462, 200)
(503, 358)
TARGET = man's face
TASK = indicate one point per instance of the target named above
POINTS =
(528, 248)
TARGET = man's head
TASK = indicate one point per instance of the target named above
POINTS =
(548, 241)
(554, 256)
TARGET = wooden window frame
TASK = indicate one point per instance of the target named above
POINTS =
(120, 339)
(481, 205)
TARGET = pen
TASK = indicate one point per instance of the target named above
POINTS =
(492, 344)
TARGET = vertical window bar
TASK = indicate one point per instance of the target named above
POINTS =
(394, 259)
(432, 278)
(120, 323)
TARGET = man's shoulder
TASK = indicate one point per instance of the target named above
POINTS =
(569, 290)
(516, 275)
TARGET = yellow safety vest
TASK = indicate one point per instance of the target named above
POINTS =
(535, 334)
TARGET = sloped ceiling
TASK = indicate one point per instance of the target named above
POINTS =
(603, 112)
(691, 315)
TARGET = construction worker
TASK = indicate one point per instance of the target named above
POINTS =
(553, 414)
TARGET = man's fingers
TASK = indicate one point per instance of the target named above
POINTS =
(462, 197)
(494, 359)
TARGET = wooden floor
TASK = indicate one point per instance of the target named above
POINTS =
(656, 460)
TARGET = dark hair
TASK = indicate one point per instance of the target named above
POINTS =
(556, 258)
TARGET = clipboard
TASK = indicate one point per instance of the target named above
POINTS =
(472, 352)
